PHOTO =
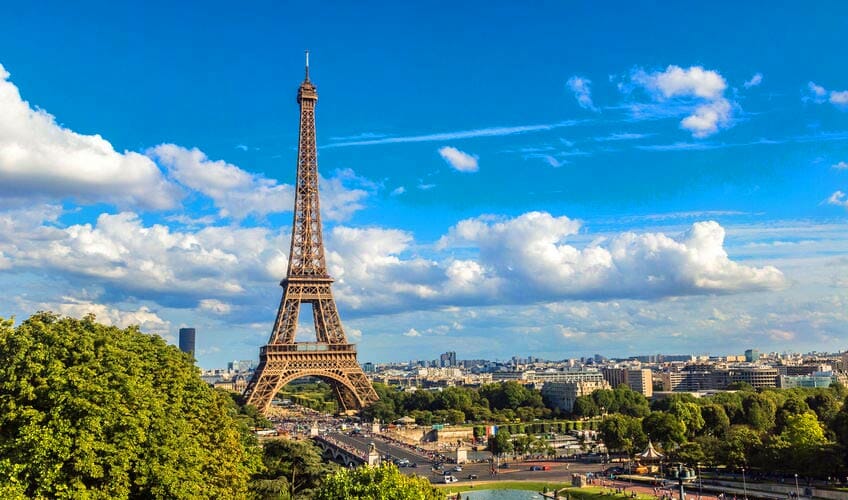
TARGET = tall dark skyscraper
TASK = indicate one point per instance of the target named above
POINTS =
(187, 341)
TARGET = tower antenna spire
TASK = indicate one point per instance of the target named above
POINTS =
(307, 65)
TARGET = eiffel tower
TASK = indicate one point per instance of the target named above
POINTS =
(331, 358)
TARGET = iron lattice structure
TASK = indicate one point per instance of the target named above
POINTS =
(307, 281)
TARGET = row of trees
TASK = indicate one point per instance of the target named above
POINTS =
(802, 431)
(489, 403)
(787, 430)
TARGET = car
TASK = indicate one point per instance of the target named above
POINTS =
(457, 468)
(447, 473)
(614, 470)
(413, 464)
(535, 467)
(449, 479)
(472, 476)
(504, 465)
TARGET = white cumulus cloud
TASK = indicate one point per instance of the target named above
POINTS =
(479, 261)
(149, 321)
(818, 94)
(214, 306)
(239, 194)
(698, 91)
(530, 251)
(412, 332)
(459, 160)
(42, 159)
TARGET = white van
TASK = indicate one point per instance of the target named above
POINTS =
(449, 479)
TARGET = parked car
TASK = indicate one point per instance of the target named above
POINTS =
(449, 479)
(504, 465)
(472, 476)
(457, 468)
(535, 467)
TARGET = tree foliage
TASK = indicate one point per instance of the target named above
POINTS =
(502, 402)
(376, 483)
(295, 465)
(664, 428)
(623, 433)
(500, 443)
(622, 399)
(92, 411)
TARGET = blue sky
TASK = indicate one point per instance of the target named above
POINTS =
(554, 180)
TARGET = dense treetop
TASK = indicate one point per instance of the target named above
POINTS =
(376, 483)
(93, 411)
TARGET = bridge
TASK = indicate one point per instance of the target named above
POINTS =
(353, 449)
(340, 452)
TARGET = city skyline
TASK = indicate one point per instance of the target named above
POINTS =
(549, 177)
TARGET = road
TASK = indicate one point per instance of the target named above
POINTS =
(516, 471)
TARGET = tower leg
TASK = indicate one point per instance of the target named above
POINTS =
(263, 387)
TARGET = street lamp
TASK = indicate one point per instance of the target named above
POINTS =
(700, 481)
(744, 484)
(797, 491)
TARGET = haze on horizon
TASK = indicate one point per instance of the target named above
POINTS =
(555, 180)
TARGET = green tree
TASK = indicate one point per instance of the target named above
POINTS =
(804, 431)
(585, 406)
(740, 386)
(690, 454)
(92, 411)
(665, 403)
(297, 463)
(453, 398)
(630, 402)
(623, 433)
(376, 483)
(759, 411)
(456, 417)
(690, 415)
(664, 428)
(419, 400)
(510, 395)
(825, 404)
(500, 443)
(521, 444)
(839, 425)
(741, 444)
(793, 405)
(712, 448)
(716, 421)
(732, 404)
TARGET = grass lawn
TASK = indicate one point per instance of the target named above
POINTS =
(585, 493)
